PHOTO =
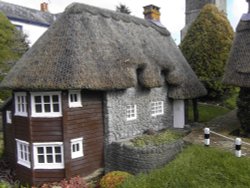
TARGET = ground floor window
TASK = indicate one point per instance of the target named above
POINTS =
(76, 148)
(157, 108)
(23, 153)
(48, 155)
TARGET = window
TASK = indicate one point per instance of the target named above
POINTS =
(19, 27)
(131, 112)
(20, 104)
(157, 108)
(76, 148)
(75, 99)
(8, 117)
(23, 153)
(48, 155)
(47, 104)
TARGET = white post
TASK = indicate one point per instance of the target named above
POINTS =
(238, 147)
(207, 136)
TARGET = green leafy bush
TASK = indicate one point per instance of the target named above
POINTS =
(114, 179)
(157, 139)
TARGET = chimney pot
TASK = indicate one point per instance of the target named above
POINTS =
(152, 12)
(44, 7)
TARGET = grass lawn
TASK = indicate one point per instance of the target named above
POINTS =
(197, 167)
(207, 112)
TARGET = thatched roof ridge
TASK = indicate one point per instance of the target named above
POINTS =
(98, 49)
(237, 71)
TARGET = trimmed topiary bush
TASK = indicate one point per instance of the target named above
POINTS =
(114, 179)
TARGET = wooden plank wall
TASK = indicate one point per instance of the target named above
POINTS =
(87, 122)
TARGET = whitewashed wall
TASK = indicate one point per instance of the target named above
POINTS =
(32, 31)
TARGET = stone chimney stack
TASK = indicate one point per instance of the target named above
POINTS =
(152, 12)
(44, 7)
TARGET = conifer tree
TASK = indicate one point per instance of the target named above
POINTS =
(123, 9)
(206, 47)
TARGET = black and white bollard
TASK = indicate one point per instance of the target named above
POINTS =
(238, 147)
(207, 136)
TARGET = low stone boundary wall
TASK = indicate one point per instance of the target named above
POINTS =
(125, 157)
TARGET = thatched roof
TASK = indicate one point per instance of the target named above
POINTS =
(237, 71)
(98, 49)
(27, 15)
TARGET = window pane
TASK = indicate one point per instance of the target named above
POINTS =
(58, 158)
(38, 108)
(40, 150)
(55, 98)
(49, 158)
(77, 147)
(46, 99)
(49, 149)
(56, 107)
(57, 149)
(38, 99)
(47, 108)
(40, 159)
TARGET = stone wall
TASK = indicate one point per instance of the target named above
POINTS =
(118, 127)
(124, 157)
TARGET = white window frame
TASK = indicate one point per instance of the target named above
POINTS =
(8, 116)
(43, 113)
(23, 153)
(78, 102)
(47, 165)
(131, 112)
(21, 104)
(74, 143)
(157, 108)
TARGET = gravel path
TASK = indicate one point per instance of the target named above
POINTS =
(224, 125)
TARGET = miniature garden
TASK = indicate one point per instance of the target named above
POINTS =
(192, 164)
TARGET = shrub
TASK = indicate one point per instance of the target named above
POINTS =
(156, 139)
(113, 179)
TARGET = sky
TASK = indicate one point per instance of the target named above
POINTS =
(172, 11)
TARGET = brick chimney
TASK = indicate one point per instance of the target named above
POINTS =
(44, 7)
(152, 12)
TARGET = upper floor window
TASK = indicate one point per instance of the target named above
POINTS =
(46, 104)
(157, 108)
(131, 112)
(23, 153)
(75, 99)
(19, 27)
(8, 116)
(20, 104)
(48, 155)
(76, 148)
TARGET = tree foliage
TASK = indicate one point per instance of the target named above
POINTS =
(123, 9)
(13, 45)
(206, 47)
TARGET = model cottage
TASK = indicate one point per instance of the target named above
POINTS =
(95, 77)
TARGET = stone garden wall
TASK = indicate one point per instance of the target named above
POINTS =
(125, 157)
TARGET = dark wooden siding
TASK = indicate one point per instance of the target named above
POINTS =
(22, 130)
(46, 129)
(43, 176)
(86, 122)
(24, 174)
(9, 138)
